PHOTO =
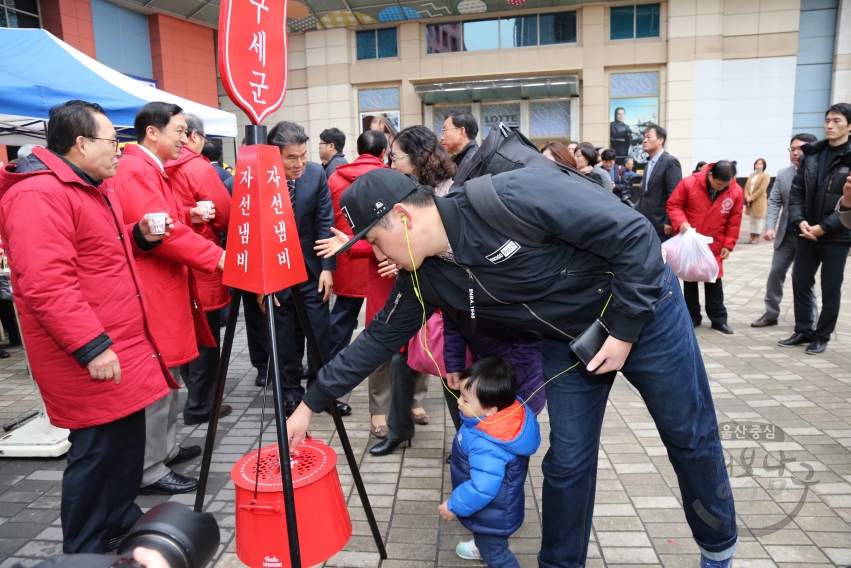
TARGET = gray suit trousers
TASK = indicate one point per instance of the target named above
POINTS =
(784, 257)
(161, 434)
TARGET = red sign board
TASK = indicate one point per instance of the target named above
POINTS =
(253, 54)
(263, 251)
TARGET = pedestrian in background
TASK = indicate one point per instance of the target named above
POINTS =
(756, 199)
(83, 316)
(458, 136)
(661, 175)
(711, 203)
(785, 241)
(558, 152)
(586, 162)
(825, 241)
(331, 144)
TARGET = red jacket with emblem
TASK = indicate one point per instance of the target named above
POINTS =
(193, 179)
(77, 289)
(351, 275)
(174, 315)
(720, 220)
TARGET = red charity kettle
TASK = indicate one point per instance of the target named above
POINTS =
(324, 526)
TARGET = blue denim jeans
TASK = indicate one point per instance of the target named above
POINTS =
(495, 552)
(666, 367)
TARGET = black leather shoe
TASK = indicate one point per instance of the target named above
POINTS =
(764, 322)
(816, 346)
(171, 484)
(112, 544)
(695, 322)
(184, 455)
(386, 447)
(289, 407)
(723, 328)
(343, 409)
(797, 339)
(260, 381)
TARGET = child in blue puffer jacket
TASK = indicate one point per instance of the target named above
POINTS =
(490, 457)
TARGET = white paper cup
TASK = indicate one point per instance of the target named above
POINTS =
(206, 208)
(156, 223)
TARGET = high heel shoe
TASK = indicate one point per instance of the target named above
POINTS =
(386, 447)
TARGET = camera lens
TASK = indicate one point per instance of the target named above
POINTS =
(186, 539)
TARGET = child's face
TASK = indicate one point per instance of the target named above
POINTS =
(469, 405)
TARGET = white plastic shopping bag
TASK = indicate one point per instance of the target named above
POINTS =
(690, 258)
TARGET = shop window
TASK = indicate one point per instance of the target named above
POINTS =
(122, 39)
(372, 44)
(549, 119)
(558, 28)
(630, 22)
(379, 110)
(480, 35)
(19, 14)
(494, 113)
(633, 104)
(520, 31)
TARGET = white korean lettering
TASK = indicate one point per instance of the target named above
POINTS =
(259, 87)
(245, 204)
(276, 203)
(243, 233)
(273, 176)
(261, 5)
(281, 231)
(242, 260)
(258, 44)
(246, 177)
(284, 258)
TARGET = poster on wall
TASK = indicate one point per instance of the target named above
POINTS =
(633, 104)
(388, 122)
(494, 113)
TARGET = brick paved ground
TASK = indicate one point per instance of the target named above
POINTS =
(638, 517)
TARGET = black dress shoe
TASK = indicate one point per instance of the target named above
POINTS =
(386, 447)
(289, 407)
(764, 322)
(723, 328)
(171, 484)
(797, 339)
(816, 346)
(695, 322)
(184, 455)
(343, 409)
(225, 410)
(260, 381)
(112, 544)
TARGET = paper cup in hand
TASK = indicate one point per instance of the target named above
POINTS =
(206, 208)
(156, 223)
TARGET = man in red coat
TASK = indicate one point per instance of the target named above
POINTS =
(142, 187)
(351, 275)
(710, 202)
(193, 179)
(83, 318)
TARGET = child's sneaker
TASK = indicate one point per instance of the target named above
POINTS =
(468, 550)
(707, 563)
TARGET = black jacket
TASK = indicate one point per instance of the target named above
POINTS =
(466, 154)
(335, 162)
(557, 289)
(666, 174)
(817, 204)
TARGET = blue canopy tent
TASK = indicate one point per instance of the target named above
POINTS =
(39, 71)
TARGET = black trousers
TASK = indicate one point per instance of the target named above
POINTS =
(255, 331)
(809, 256)
(714, 293)
(199, 376)
(286, 317)
(10, 322)
(101, 482)
(344, 320)
(403, 383)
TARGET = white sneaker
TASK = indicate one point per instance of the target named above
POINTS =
(468, 550)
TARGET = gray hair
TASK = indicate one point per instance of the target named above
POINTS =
(193, 124)
(286, 134)
(26, 150)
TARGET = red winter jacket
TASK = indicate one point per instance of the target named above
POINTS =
(193, 179)
(720, 220)
(377, 287)
(77, 289)
(174, 315)
(351, 274)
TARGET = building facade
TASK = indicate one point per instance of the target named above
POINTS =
(727, 78)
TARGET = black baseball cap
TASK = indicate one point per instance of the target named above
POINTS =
(370, 197)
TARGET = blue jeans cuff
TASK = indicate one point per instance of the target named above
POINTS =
(722, 555)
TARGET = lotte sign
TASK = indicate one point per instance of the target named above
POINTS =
(253, 54)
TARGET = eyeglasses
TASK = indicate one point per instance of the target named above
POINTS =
(396, 157)
(114, 141)
(453, 128)
(798, 149)
(324, 143)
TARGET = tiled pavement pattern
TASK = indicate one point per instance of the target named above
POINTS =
(638, 517)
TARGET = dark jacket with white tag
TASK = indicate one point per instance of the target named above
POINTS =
(557, 289)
